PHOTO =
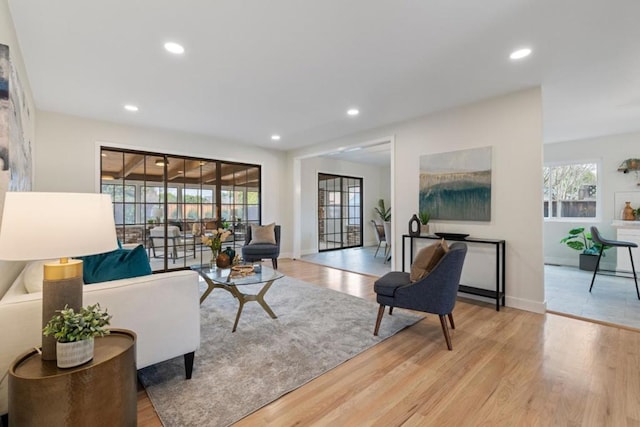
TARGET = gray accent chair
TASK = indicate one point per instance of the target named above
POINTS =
(379, 233)
(435, 293)
(253, 253)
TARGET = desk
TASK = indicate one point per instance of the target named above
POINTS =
(101, 392)
(500, 246)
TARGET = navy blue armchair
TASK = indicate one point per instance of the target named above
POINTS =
(435, 293)
(260, 251)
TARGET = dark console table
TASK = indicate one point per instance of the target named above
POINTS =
(500, 245)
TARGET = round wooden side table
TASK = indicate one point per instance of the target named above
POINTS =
(101, 392)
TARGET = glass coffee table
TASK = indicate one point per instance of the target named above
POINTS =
(229, 280)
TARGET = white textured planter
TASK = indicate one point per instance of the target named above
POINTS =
(70, 354)
(424, 229)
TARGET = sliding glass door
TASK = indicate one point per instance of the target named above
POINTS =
(339, 212)
(167, 202)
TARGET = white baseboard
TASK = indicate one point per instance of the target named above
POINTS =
(527, 305)
(308, 252)
(511, 302)
(286, 255)
(606, 263)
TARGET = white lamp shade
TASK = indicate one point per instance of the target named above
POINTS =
(56, 225)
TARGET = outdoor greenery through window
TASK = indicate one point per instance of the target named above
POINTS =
(167, 202)
(570, 190)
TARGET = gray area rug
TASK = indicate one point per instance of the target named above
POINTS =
(237, 373)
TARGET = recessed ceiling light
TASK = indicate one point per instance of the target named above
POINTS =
(174, 48)
(103, 154)
(353, 112)
(130, 107)
(160, 162)
(520, 53)
(106, 177)
(275, 137)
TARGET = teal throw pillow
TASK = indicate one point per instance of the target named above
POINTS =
(118, 264)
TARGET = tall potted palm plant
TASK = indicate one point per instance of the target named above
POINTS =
(383, 212)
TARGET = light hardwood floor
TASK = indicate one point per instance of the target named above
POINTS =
(510, 368)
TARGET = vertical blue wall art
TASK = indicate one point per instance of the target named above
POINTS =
(16, 168)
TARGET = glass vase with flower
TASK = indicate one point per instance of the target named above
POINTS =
(214, 241)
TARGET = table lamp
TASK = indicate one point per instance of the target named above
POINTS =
(42, 226)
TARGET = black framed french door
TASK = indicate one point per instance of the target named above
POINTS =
(339, 212)
(167, 202)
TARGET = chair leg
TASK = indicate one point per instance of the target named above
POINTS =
(377, 249)
(453, 326)
(635, 278)
(445, 330)
(595, 271)
(274, 262)
(379, 319)
(390, 310)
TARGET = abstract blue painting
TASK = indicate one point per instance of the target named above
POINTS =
(16, 164)
(457, 185)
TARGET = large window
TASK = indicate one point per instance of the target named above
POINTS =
(570, 190)
(123, 197)
(182, 196)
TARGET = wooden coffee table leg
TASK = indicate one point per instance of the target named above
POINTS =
(210, 287)
(263, 303)
(240, 305)
(242, 298)
(259, 298)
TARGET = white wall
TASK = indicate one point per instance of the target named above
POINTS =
(376, 185)
(610, 151)
(512, 125)
(68, 159)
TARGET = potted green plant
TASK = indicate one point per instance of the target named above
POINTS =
(74, 333)
(383, 212)
(578, 240)
(424, 218)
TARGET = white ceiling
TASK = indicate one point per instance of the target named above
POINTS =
(377, 154)
(293, 67)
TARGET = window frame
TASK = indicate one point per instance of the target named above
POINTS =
(598, 215)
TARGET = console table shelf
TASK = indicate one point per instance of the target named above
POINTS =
(499, 293)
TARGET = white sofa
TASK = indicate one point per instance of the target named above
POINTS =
(162, 309)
